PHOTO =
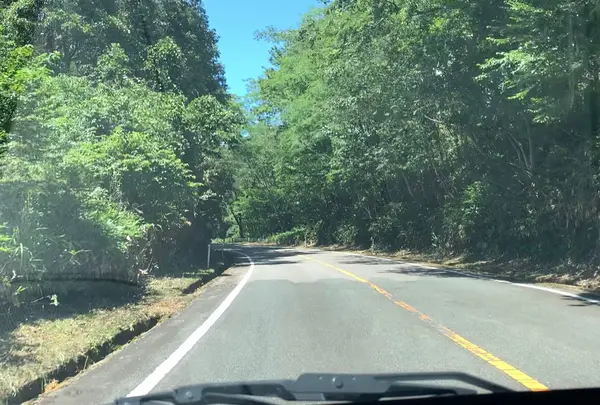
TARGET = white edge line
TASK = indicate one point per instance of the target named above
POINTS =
(564, 293)
(473, 275)
(163, 369)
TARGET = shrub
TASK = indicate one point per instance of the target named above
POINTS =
(345, 234)
(294, 237)
(83, 197)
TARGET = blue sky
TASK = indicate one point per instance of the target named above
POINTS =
(236, 21)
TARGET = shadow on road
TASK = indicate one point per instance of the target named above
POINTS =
(416, 271)
(399, 267)
(267, 255)
(408, 269)
(580, 300)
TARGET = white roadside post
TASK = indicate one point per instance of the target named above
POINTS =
(208, 257)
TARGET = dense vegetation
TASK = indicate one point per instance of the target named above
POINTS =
(454, 125)
(451, 125)
(115, 127)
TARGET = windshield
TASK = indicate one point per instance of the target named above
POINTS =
(196, 192)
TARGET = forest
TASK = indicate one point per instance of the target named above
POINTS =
(452, 126)
(429, 125)
(116, 126)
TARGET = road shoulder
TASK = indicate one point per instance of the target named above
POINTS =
(136, 360)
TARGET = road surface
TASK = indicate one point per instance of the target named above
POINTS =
(302, 310)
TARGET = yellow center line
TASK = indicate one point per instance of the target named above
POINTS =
(489, 358)
(362, 280)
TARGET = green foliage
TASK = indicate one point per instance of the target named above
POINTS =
(168, 43)
(113, 65)
(115, 138)
(345, 234)
(465, 222)
(294, 237)
(134, 167)
(452, 125)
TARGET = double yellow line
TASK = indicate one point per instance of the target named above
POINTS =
(489, 358)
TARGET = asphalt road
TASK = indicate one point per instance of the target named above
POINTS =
(303, 310)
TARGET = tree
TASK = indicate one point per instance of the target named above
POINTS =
(117, 138)
(447, 125)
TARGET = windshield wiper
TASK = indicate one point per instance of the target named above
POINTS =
(318, 387)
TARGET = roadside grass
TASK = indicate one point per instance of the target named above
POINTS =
(34, 343)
